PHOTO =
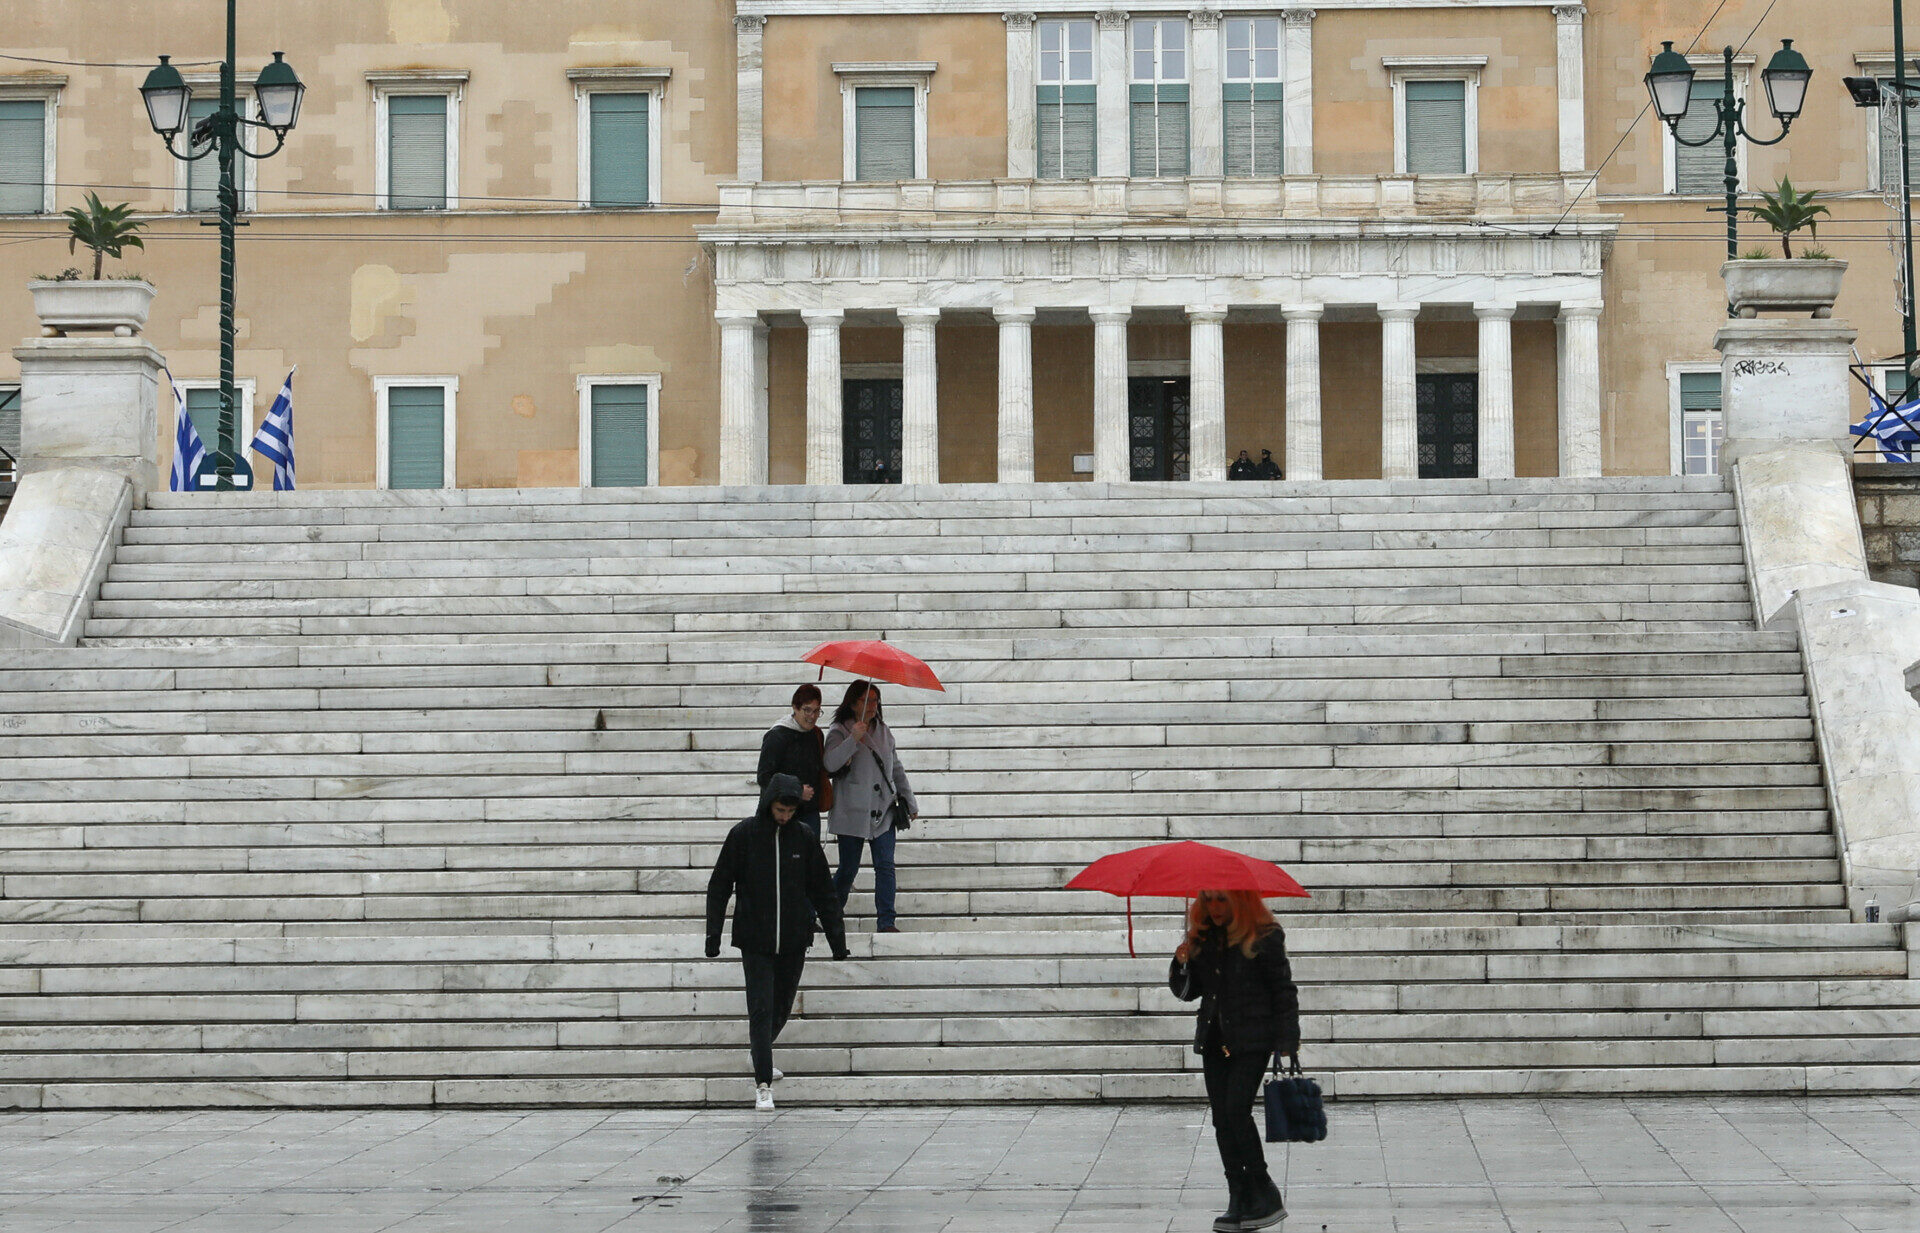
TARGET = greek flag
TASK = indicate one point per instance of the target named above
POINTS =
(1897, 429)
(188, 452)
(274, 441)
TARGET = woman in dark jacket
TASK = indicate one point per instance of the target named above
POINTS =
(795, 746)
(1234, 959)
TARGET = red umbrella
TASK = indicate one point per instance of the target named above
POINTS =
(1184, 869)
(880, 660)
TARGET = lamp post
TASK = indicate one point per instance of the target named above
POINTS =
(1670, 81)
(278, 91)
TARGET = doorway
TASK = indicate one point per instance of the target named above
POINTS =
(1159, 427)
(871, 430)
(1447, 406)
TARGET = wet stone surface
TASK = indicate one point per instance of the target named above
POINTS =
(1703, 1165)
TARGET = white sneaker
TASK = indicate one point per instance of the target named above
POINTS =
(763, 1098)
(778, 1074)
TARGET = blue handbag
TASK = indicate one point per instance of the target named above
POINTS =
(1295, 1113)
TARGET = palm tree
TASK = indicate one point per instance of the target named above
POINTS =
(1787, 211)
(107, 230)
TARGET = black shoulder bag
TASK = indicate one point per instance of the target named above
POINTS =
(1295, 1113)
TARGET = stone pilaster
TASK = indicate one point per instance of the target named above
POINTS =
(1399, 425)
(1297, 89)
(1022, 79)
(1303, 460)
(1496, 390)
(920, 397)
(1207, 121)
(750, 94)
(1016, 394)
(1112, 446)
(1580, 398)
(825, 423)
(1113, 155)
(1207, 447)
(1570, 29)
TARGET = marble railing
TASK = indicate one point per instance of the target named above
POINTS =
(1106, 203)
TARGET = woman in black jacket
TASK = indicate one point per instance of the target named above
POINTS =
(795, 746)
(1234, 959)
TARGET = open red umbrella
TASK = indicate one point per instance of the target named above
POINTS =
(1183, 869)
(880, 660)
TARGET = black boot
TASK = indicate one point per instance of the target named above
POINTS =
(1262, 1206)
(1229, 1220)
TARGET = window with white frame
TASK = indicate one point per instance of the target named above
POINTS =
(1158, 109)
(884, 120)
(1253, 99)
(1699, 424)
(619, 435)
(1700, 171)
(203, 408)
(1436, 114)
(198, 188)
(415, 431)
(1067, 106)
(619, 126)
(27, 145)
(417, 118)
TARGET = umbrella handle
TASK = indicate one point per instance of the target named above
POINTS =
(1130, 951)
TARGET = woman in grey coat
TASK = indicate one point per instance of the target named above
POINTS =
(867, 777)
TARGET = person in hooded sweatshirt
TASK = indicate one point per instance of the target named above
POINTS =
(778, 878)
(795, 746)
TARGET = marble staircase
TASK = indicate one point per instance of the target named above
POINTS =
(339, 806)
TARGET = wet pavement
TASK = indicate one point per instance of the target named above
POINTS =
(1693, 1165)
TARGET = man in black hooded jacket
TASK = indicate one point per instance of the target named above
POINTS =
(780, 882)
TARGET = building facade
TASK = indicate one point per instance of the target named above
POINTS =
(850, 240)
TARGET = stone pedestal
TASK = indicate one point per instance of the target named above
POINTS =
(90, 402)
(1783, 382)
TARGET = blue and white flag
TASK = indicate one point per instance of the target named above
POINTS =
(188, 451)
(274, 441)
(1897, 429)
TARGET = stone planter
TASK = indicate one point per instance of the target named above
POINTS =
(118, 305)
(1778, 285)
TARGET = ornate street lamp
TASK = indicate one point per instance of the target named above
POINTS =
(1670, 82)
(279, 91)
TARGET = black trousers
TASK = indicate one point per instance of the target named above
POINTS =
(772, 983)
(1233, 1084)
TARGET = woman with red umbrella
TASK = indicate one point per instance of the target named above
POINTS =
(1234, 959)
(872, 798)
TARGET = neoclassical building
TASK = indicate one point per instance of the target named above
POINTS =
(831, 241)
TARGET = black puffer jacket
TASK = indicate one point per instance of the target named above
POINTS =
(1254, 1001)
(779, 880)
(785, 750)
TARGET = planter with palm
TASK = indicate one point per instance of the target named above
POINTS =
(1809, 282)
(69, 302)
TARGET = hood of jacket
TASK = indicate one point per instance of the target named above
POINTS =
(777, 786)
(793, 724)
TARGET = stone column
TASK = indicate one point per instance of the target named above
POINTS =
(1570, 24)
(1399, 427)
(1112, 445)
(1303, 391)
(1297, 89)
(1580, 400)
(1207, 446)
(920, 397)
(1113, 154)
(825, 426)
(1016, 394)
(1022, 78)
(750, 95)
(1496, 390)
(1207, 121)
(742, 459)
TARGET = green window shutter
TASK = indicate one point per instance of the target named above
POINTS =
(417, 152)
(1159, 130)
(1890, 140)
(619, 148)
(1068, 117)
(1255, 139)
(883, 133)
(203, 408)
(23, 156)
(1700, 171)
(416, 436)
(10, 420)
(1699, 391)
(1436, 127)
(619, 435)
(203, 177)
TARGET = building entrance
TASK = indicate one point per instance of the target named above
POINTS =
(871, 430)
(1159, 427)
(1448, 409)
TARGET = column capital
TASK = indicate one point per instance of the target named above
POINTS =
(1494, 310)
(918, 314)
(1303, 312)
(823, 318)
(1207, 312)
(1205, 19)
(738, 317)
(1008, 314)
(1111, 314)
(749, 23)
(1569, 14)
(1018, 21)
(1591, 310)
(1398, 311)
(1113, 19)
(1298, 17)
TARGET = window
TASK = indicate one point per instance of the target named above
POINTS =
(1158, 108)
(417, 117)
(884, 120)
(1253, 103)
(1067, 107)
(9, 431)
(619, 126)
(619, 443)
(415, 430)
(199, 188)
(1436, 128)
(26, 155)
(1699, 422)
(203, 408)
(1700, 171)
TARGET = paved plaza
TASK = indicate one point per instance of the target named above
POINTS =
(1692, 1165)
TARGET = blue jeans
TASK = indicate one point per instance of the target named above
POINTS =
(883, 883)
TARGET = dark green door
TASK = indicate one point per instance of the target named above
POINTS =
(870, 419)
(1448, 407)
(1159, 427)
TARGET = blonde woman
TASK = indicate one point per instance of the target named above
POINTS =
(1234, 959)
